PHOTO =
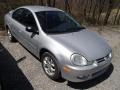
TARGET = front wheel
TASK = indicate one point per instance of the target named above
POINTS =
(50, 67)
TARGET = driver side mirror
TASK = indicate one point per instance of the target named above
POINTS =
(31, 29)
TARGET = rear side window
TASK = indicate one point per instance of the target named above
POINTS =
(25, 17)
(17, 15)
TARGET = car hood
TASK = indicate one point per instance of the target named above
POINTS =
(84, 42)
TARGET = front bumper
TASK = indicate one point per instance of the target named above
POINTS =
(80, 74)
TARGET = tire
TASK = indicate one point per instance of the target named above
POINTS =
(10, 36)
(50, 66)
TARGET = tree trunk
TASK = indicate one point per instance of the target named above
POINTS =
(54, 1)
(117, 14)
(41, 2)
(67, 6)
(48, 2)
(118, 20)
(85, 8)
(90, 7)
(37, 2)
(100, 9)
(78, 3)
(94, 10)
(108, 12)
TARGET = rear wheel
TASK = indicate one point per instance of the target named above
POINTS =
(50, 66)
(10, 36)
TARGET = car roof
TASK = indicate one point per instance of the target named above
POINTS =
(40, 8)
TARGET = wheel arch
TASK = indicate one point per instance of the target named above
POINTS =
(43, 50)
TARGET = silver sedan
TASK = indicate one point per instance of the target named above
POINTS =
(65, 48)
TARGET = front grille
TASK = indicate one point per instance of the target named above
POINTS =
(102, 59)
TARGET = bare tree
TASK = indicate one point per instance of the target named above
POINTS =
(67, 6)
(37, 1)
(85, 7)
(94, 10)
(54, 1)
(117, 14)
(118, 20)
(51, 3)
(90, 7)
(48, 2)
(78, 2)
(101, 6)
(108, 11)
(41, 2)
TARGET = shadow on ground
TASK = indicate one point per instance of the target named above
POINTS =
(11, 76)
(93, 82)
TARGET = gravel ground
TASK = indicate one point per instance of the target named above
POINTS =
(30, 68)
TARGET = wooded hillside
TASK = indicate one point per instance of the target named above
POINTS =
(95, 12)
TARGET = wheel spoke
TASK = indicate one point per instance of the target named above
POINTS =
(52, 69)
(52, 64)
(49, 66)
(9, 35)
(45, 62)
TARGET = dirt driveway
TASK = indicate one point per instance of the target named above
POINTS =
(19, 70)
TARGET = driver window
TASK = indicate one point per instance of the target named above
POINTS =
(29, 19)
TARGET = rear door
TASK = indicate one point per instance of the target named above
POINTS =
(21, 19)
(15, 24)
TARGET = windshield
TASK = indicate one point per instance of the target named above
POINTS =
(57, 22)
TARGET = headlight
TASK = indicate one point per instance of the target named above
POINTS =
(78, 60)
(110, 55)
